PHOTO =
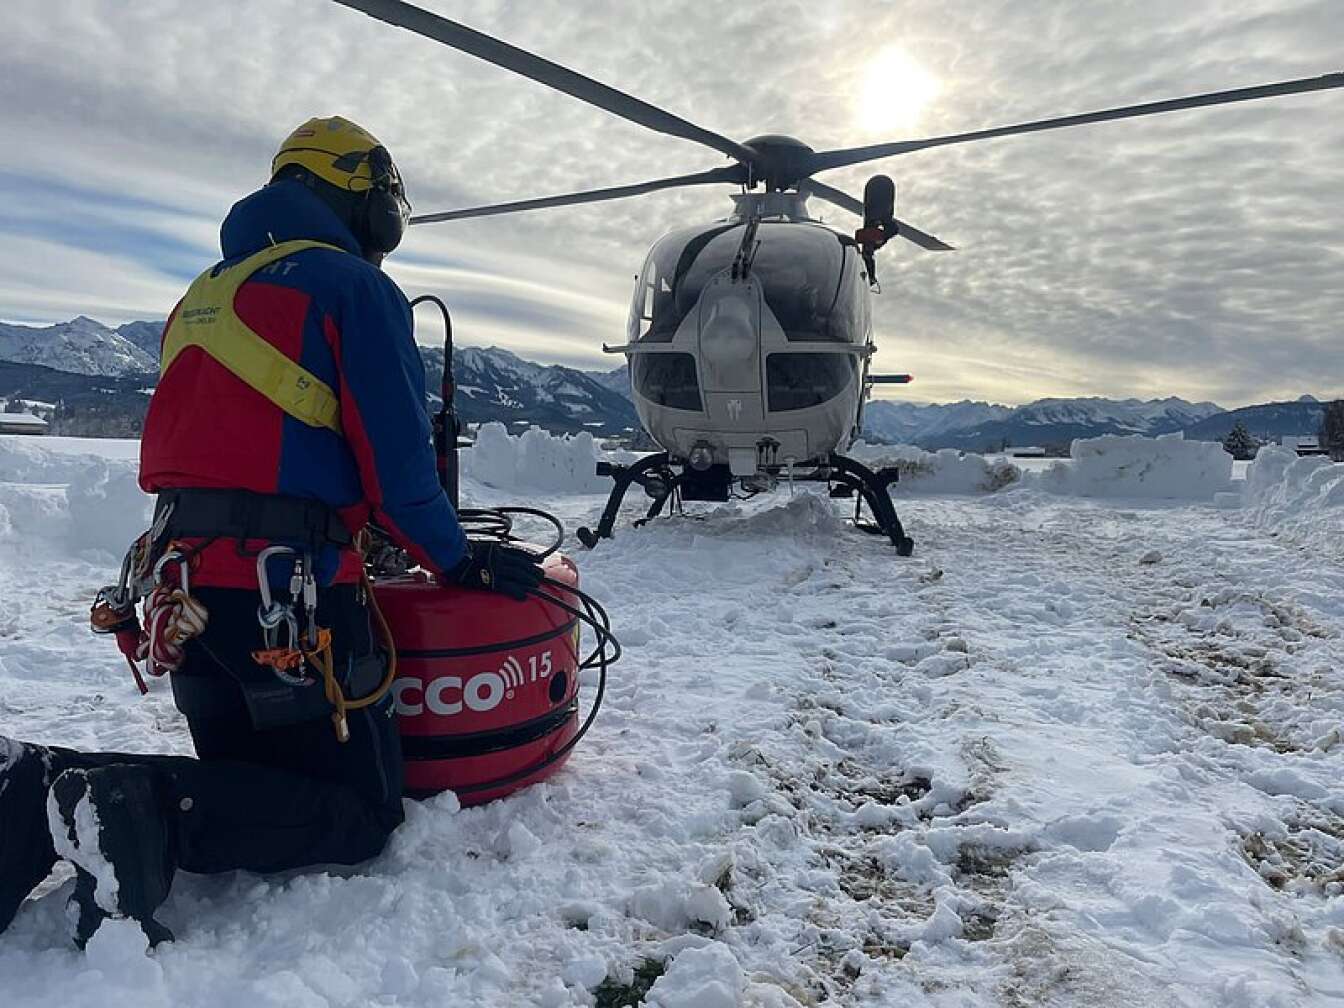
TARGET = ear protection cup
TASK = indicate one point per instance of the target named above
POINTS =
(384, 212)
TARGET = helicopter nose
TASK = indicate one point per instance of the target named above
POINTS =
(729, 347)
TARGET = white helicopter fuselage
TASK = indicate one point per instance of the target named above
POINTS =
(762, 366)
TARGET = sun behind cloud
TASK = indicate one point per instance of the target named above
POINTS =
(895, 92)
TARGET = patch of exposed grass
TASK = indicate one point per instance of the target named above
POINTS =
(613, 994)
(1307, 859)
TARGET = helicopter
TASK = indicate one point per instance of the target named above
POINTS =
(750, 339)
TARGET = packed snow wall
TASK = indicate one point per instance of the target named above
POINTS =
(534, 460)
(1301, 499)
(946, 471)
(1163, 468)
(76, 499)
(1113, 466)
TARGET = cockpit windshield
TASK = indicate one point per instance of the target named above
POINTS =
(798, 266)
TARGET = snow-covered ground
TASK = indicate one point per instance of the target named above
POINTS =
(1078, 750)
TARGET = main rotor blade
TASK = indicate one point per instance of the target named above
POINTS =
(847, 202)
(824, 160)
(543, 71)
(729, 173)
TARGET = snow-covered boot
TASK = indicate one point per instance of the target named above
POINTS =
(110, 824)
(26, 854)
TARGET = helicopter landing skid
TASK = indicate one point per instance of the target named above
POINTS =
(652, 472)
(845, 476)
(848, 476)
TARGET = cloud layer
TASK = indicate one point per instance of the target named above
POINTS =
(1196, 254)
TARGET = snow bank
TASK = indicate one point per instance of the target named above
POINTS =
(87, 502)
(946, 471)
(1164, 468)
(32, 460)
(1301, 499)
(535, 460)
(108, 510)
(1110, 466)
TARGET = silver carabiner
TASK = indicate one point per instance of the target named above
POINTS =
(118, 596)
(183, 567)
(303, 585)
(270, 613)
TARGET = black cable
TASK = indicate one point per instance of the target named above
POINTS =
(497, 524)
(446, 426)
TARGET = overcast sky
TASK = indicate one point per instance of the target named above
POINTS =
(1198, 254)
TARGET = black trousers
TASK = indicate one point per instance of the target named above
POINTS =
(283, 796)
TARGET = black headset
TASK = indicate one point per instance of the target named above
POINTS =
(382, 211)
(385, 211)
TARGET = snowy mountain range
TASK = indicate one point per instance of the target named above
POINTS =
(83, 346)
(495, 384)
(916, 423)
(1267, 421)
(1048, 422)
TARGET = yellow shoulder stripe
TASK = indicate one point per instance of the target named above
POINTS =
(207, 319)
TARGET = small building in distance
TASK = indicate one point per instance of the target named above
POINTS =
(22, 423)
(1303, 444)
(1026, 451)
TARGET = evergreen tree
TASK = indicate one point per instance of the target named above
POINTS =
(1332, 430)
(1240, 443)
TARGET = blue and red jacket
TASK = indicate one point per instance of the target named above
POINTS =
(345, 321)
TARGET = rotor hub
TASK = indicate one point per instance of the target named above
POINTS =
(780, 161)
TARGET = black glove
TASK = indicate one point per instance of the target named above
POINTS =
(492, 566)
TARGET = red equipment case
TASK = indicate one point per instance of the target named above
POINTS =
(486, 686)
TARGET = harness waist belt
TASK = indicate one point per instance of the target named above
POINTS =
(242, 514)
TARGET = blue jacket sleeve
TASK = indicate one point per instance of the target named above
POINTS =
(386, 425)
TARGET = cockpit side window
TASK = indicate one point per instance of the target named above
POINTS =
(653, 316)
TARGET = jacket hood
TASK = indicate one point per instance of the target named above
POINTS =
(279, 212)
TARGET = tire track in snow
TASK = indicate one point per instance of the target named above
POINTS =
(840, 642)
(860, 822)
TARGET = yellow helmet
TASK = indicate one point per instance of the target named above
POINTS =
(334, 149)
(350, 160)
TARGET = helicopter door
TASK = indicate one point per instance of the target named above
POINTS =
(730, 353)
